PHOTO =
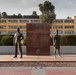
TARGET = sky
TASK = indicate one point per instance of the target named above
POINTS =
(63, 8)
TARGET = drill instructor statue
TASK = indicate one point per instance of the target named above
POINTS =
(18, 37)
(56, 43)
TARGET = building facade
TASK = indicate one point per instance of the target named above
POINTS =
(9, 25)
(65, 26)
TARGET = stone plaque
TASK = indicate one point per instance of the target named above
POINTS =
(38, 39)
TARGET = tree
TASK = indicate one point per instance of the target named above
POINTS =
(0, 15)
(4, 14)
(19, 15)
(48, 13)
(34, 13)
(68, 17)
(14, 16)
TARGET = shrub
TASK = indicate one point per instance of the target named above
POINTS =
(24, 41)
(7, 40)
(0, 39)
(68, 40)
(2, 36)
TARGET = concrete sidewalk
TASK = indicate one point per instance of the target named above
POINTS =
(38, 71)
(38, 58)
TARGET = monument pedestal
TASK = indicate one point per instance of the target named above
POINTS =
(38, 39)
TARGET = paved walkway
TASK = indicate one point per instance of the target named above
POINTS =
(37, 71)
(36, 58)
(61, 71)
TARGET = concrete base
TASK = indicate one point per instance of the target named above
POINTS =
(38, 38)
(64, 50)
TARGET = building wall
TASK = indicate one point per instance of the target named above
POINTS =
(75, 24)
(10, 25)
(65, 26)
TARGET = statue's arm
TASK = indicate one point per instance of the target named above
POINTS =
(22, 37)
(15, 35)
(53, 41)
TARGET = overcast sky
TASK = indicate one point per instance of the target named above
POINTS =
(63, 8)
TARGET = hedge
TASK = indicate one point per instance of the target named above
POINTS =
(68, 40)
(65, 40)
(7, 40)
(24, 41)
(4, 35)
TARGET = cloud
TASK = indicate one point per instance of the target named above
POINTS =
(63, 8)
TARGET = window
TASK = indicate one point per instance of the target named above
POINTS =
(69, 21)
(22, 27)
(2, 21)
(2, 27)
(24, 21)
(69, 26)
(10, 32)
(12, 27)
(3, 32)
(35, 21)
(60, 32)
(58, 21)
(24, 33)
(59, 27)
(12, 21)
(69, 32)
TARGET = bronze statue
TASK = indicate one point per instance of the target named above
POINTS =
(56, 43)
(18, 37)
